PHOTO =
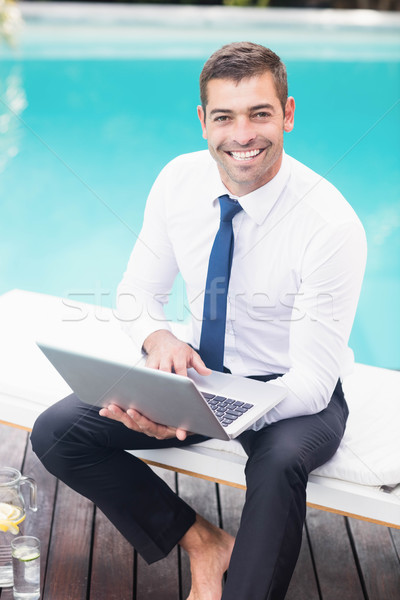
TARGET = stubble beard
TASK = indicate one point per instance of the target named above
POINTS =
(247, 175)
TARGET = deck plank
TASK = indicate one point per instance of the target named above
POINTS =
(303, 585)
(6, 594)
(334, 560)
(13, 443)
(113, 563)
(161, 577)
(378, 559)
(395, 535)
(232, 501)
(68, 564)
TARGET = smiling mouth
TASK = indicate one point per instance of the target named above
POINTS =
(247, 155)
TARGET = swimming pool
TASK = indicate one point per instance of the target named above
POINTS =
(96, 101)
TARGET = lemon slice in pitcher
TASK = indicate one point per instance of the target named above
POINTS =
(10, 517)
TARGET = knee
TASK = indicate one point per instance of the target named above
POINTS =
(43, 436)
(291, 462)
(52, 427)
(281, 463)
(42, 432)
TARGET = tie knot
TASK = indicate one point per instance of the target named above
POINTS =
(229, 207)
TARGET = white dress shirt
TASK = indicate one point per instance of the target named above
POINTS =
(298, 263)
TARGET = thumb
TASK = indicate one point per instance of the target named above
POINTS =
(181, 434)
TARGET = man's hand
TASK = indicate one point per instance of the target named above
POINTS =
(166, 353)
(136, 421)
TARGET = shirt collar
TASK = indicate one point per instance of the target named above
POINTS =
(259, 203)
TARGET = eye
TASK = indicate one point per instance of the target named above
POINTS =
(262, 115)
(221, 118)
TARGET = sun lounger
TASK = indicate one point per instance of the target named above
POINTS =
(362, 480)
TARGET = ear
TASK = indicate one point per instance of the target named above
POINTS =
(202, 119)
(288, 122)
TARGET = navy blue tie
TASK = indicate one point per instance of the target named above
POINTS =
(212, 340)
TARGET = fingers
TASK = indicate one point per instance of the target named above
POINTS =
(162, 360)
(198, 364)
(156, 361)
(167, 353)
(137, 422)
(150, 428)
(160, 432)
(178, 362)
(112, 411)
(181, 363)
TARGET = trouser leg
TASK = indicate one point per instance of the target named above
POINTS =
(269, 538)
(87, 452)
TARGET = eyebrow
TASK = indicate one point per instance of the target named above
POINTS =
(252, 108)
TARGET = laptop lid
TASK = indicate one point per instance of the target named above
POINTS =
(165, 398)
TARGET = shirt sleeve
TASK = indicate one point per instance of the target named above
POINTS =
(322, 318)
(146, 284)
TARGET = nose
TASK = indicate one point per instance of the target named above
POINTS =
(244, 131)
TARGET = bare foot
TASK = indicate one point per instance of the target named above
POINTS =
(209, 550)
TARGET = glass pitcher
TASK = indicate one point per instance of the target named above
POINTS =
(12, 513)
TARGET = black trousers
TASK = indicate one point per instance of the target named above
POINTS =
(86, 451)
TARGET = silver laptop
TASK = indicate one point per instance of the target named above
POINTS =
(218, 405)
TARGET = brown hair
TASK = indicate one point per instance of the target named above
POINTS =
(240, 60)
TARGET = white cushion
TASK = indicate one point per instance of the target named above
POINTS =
(369, 453)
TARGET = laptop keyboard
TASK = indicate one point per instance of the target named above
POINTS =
(226, 410)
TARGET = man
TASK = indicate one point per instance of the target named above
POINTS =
(297, 253)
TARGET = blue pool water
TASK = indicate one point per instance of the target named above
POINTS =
(84, 133)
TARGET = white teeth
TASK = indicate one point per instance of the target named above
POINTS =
(245, 155)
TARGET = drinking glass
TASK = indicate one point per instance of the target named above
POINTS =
(26, 567)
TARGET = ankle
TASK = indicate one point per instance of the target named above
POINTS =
(199, 536)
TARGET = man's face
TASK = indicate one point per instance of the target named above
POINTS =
(244, 125)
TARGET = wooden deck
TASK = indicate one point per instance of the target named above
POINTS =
(85, 558)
